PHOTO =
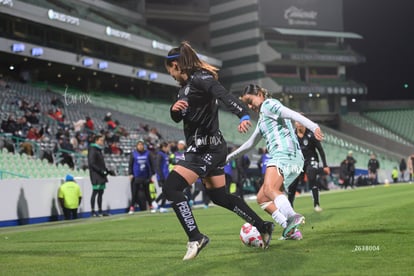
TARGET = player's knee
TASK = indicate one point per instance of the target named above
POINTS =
(174, 186)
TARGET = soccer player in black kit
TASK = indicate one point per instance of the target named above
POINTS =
(206, 153)
(309, 144)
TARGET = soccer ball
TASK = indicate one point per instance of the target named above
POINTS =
(250, 236)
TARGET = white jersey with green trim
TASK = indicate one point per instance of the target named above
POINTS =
(275, 126)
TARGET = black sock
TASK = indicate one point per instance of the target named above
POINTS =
(291, 198)
(236, 205)
(315, 194)
(173, 190)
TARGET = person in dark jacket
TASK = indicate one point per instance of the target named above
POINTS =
(373, 166)
(344, 174)
(98, 173)
(162, 170)
(140, 172)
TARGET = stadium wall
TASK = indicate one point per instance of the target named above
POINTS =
(27, 201)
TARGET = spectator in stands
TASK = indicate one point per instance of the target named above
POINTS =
(154, 136)
(55, 101)
(162, 170)
(111, 125)
(197, 107)
(70, 197)
(36, 108)
(22, 127)
(98, 173)
(108, 117)
(31, 117)
(35, 133)
(74, 140)
(26, 147)
(116, 149)
(140, 171)
(351, 168)
(403, 168)
(89, 124)
(65, 149)
(120, 130)
(58, 115)
(23, 104)
(51, 114)
(79, 125)
(373, 166)
(10, 125)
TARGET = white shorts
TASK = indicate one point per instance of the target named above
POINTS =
(291, 167)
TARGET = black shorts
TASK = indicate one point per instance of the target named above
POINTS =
(205, 164)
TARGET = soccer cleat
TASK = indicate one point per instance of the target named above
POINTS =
(94, 214)
(131, 210)
(318, 208)
(297, 235)
(163, 210)
(292, 223)
(267, 234)
(154, 205)
(194, 248)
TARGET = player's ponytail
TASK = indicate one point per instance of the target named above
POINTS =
(188, 60)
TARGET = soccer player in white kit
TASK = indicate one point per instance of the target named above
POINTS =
(286, 163)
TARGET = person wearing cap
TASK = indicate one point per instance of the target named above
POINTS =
(140, 172)
(70, 197)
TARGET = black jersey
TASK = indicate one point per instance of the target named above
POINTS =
(201, 123)
(308, 144)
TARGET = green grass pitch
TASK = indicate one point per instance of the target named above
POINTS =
(367, 231)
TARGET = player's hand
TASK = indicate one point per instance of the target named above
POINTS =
(244, 126)
(179, 105)
(318, 134)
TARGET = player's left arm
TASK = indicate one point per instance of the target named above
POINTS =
(321, 152)
(253, 140)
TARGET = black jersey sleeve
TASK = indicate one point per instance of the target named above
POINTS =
(318, 146)
(207, 83)
(176, 116)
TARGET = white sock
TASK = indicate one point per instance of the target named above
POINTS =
(283, 204)
(280, 218)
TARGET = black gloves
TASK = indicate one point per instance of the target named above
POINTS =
(110, 172)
